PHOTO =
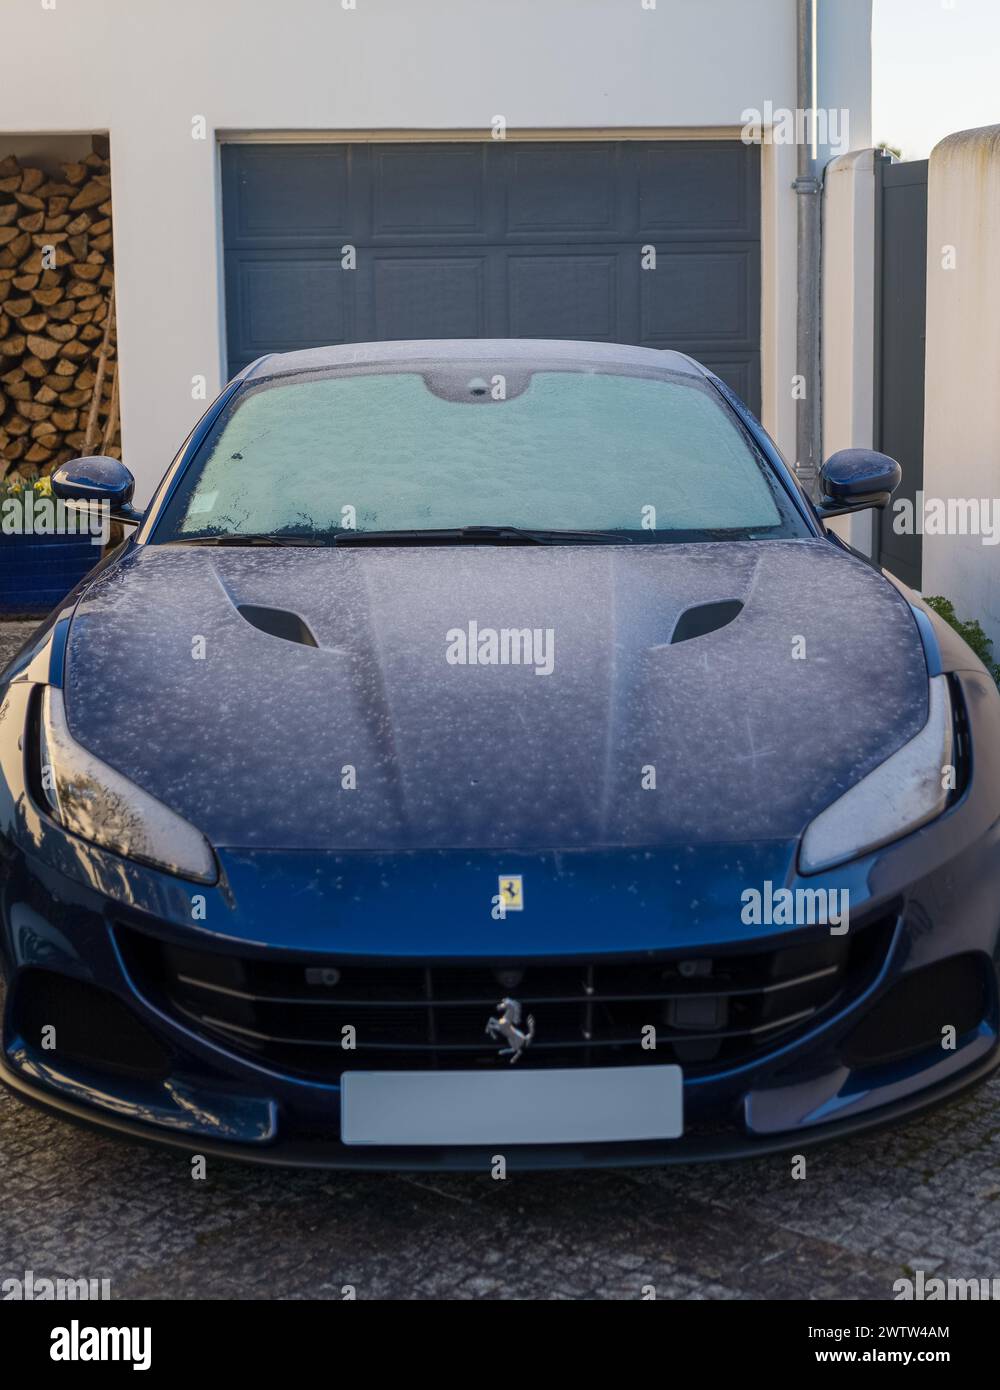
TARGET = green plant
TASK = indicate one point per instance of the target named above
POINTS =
(18, 501)
(14, 485)
(971, 633)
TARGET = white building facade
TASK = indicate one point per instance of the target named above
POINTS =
(252, 142)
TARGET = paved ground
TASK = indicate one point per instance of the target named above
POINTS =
(868, 1212)
(11, 637)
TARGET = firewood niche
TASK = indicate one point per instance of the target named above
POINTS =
(58, 355)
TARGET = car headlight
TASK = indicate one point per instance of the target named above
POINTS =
(90, 799)
(904, 792)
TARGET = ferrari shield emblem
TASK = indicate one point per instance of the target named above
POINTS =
(511, 892)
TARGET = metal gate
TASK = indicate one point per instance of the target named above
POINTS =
(900, 326)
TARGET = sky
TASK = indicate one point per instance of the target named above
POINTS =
(935, 69)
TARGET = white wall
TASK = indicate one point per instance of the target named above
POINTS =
(849, 319)
(844, 69)
(962, 394)
(142, 71)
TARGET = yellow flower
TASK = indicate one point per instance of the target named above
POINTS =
(44, 487)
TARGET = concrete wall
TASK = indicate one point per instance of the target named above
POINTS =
(849, 319)
(437, 67)
(844, 81)
(962, 402)
(844, 67)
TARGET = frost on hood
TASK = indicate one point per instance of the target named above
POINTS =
(248, 744)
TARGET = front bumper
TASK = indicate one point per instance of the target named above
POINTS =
(291, 1148)
(64, 905)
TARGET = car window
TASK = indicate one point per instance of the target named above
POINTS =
(640, 457)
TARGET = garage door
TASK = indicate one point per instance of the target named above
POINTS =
(496, 239)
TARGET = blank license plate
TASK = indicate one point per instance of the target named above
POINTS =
(560, 1106)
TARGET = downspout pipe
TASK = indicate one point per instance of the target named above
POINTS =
(809, 187)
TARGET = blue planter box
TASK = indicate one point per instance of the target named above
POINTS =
(37, 571)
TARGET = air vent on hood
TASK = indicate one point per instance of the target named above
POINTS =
(705, 618)
(278, 622)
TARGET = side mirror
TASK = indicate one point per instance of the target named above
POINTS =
(98, 479)
(855, 479)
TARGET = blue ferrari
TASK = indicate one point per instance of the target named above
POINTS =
(483, 750)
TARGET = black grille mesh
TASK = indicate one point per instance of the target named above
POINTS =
(708, 1012)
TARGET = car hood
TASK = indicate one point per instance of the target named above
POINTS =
(747, 731)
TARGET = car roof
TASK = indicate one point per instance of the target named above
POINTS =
(531, 351)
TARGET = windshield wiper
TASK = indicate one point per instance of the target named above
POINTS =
(450, 535)
(471, 535)
(249, 538)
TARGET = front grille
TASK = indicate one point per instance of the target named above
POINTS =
(709, 1012)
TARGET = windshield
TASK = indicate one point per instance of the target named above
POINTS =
(338, 456)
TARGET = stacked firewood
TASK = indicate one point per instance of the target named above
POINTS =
(58, 359)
